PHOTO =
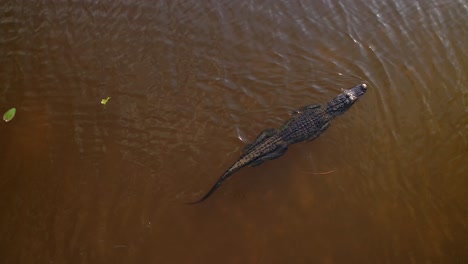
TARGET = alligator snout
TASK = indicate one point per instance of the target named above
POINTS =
(364, 87)
(357, 91)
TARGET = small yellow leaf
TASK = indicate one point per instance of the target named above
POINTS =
(104, 101)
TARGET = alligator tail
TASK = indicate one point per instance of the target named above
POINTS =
(215, 186)
(250, 157)
(235, 167)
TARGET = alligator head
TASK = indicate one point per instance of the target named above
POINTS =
(345, 100)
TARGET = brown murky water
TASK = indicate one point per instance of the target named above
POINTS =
(190, 83)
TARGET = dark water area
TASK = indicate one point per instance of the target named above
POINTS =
(191, 82)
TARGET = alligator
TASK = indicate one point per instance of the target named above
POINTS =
(305, 124)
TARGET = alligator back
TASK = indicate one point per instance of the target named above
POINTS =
(306, 124)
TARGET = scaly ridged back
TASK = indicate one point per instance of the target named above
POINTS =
(304, 125)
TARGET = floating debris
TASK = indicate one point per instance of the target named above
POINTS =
(104, 101)
(8, 116)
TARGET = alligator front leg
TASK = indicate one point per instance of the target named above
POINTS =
(278, 152)
(304, 108)
(263, 135)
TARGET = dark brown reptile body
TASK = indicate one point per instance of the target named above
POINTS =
(306, 123)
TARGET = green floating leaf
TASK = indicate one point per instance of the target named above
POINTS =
(104, 101)
(8, 116)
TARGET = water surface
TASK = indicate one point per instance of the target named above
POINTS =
(191, 82)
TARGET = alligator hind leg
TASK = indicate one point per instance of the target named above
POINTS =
(278, 152)
(263, 135)
(322, 129)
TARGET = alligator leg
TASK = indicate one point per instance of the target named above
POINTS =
(278, 152)
(302, 109)
(263, 135)
(323, 128)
